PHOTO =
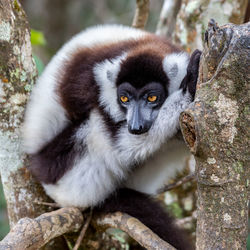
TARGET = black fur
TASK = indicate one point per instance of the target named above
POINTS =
(77, 88)
(149, 212)
(57, 157)
(141, 69)
(190, 80)
(112, 126)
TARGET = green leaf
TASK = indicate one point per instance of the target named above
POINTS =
(37, 38)
(39, 64)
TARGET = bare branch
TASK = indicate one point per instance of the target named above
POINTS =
(49, 204)
(138, 231)
(83, 231)
(183, 180)
(167, 21)
(141, 14)
(31, 234)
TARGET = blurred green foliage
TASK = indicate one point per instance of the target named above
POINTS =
(37, 38)
(175, 209)
(39, 64)
(4, 226)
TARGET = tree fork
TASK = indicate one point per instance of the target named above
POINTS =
(215, 129)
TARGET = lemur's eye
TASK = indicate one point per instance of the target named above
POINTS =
(152, 98)
(124, 98)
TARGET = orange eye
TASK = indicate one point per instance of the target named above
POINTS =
(152, 98)
(124, 98)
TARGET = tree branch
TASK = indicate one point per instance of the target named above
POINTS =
(138, 231)
(180, 182)
(83, 231)
(31, 234)
(167, 21)
(141, 14)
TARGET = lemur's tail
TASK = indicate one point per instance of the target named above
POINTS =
(149, 212)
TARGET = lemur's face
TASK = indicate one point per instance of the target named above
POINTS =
(141, 105)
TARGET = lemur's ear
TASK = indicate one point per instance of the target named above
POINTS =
(105, 75)
(106, 72)
(190, 80)
(175, 66)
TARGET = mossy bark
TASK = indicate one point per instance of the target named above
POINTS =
(216, 129)
(17, 76)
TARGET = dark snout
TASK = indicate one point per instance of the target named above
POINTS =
(139, 129)
(138, 124)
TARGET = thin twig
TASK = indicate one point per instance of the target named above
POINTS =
(50, 204)
(83, 231)
(181, 223)
(185, 179)
(141, 14)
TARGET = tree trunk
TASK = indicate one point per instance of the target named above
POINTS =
(17, 76)
(216, 131)
(167, 20)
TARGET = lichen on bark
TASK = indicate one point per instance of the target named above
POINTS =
(220, 130)
(17, 71)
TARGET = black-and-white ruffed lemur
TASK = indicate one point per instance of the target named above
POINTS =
(102, 121)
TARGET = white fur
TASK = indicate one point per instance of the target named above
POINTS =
(106, 163)
(175, 66)
(45, 117)
(105, 75)
(94, 175)
(86, 184)
(134, 148)
(150, 176)
(97, 173)
(171, 154)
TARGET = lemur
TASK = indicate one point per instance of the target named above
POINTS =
(102, 121)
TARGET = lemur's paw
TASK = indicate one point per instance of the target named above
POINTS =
(190, 80)
(193, 72)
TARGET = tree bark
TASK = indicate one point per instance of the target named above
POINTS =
(32, 234)
(216, 132)
(141, 14)
(17, 76)
(194, 15)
